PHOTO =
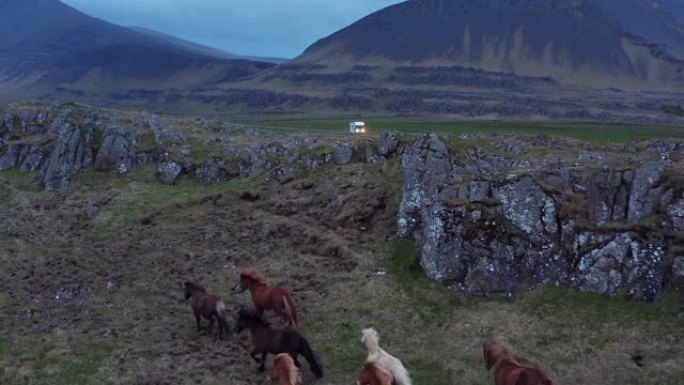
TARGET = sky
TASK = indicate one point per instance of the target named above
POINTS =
(267, 28)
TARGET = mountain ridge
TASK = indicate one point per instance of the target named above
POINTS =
(45, 44)
(576, 42)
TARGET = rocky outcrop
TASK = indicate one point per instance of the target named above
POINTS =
(71, 150)
(344, 153)
(114, 153)
(216, 170)
(489, 226)
(32, 158)
(169, 171)
(10, 156)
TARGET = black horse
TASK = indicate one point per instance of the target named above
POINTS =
(267, 340)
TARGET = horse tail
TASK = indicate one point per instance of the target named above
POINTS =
(290, 308)
(401, 376)
(221, 317)
(305, 350)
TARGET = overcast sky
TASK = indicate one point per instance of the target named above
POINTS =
(275, 28)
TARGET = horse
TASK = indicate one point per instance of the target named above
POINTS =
(374, 374)
(208, 306)
(385, 360)
(265, 297)
(267, 340)
(509, 372)
(285, 370)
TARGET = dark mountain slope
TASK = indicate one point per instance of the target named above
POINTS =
(577, 42)
(45, 44)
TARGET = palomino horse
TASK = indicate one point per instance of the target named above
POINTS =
(208, 306)
(265, 297)
(374, 374)
(508, 372)
(267, 340)
(384, 359)
(285, 370)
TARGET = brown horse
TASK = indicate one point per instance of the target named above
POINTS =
(284, 369)
(208, 306)
(265, 297)
(508, 372)
(374, 374)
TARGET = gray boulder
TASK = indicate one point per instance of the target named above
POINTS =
(427, 169)
(114, 154)
(388, 144)
(215, 170)
(676, 213)
(10, 157)
(344, 153)
(32, 158)
(608, 194)
(526, 205)
(169, 171)
(678, 272)
(645, 192)
(256, 159)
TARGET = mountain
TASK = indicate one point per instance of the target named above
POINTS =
(204, 50)
(47, 45)
(599, 43)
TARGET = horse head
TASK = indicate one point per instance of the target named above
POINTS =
(368, 334)
(493, 353)
(192, 287)
(249, 277)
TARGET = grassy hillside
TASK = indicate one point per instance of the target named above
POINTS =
(97, 299)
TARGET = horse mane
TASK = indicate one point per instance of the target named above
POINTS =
(195, 286)
(254, 276)
(284, 360)
(370, 337)
(496, 354)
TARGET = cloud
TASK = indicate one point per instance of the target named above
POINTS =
(277, 28)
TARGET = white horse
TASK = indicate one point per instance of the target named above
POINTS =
(375, 354)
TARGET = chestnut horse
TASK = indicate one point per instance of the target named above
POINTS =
(374, 374)
(208, 306)
(285, 370)
(267, 340)
(265, 297)
(509, 372)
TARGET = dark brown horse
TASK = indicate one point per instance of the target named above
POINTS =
(509, 372)
(208, 306)
(267, 340)
(265, 297)
(285, 370)
(374, 374)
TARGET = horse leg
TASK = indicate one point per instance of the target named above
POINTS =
(294, 358)
(211, 326)
(197, 318)
(262, 368)
(253, 354)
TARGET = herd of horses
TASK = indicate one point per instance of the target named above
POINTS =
(380, 367)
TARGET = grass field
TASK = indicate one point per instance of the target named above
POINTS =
(148, 238)
(585, 131)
